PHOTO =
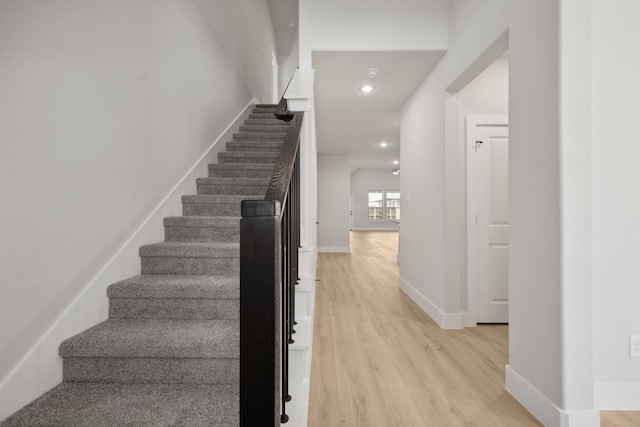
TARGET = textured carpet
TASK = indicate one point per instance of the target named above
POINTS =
(169, 353)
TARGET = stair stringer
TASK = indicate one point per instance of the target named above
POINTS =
(41, 367)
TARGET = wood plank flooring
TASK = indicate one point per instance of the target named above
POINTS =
(379, 360)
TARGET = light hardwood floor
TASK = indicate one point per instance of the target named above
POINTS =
(379, 360)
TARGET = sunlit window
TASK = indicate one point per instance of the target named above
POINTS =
(384, 205)
(375, 205)
(392, 206)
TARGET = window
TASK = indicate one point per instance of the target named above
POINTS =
(392, 208)
(375, 205)
(384, 205)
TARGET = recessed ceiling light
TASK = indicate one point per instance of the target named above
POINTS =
(395, 162)
(366, 88)
(383, 144)
(395, 171)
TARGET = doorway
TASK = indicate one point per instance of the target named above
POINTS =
(487, 148)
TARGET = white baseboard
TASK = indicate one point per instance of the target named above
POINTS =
(543, 408)
(617, 396)
(444, 320)
(330, 249)
(375, 229)
(40, 369)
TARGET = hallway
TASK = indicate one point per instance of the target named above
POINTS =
(379, 360)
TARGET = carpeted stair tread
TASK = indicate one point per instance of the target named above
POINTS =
(175, 297)
(191, 249)
(262, 115)
(178, 286)
(156, 338)
(174, 308)
(151, 370)
(248, 157)
(215, 204)
(202, 229)
(240, 170)
(234, 181)
(232, 185)
(281, 128)
(264, 120)
(260, 136)
(220, 198)
(256, 146)
(139, 405)
(189, 258)
(198, 221)
(242, 166)
(265, 108)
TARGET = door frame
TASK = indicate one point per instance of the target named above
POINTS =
(471, 315)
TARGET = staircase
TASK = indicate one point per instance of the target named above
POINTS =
(169, 353)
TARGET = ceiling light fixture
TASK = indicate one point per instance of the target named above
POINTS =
(372, 73)
(395, 162)
(366, 88)
(383, 144)
(395, 171)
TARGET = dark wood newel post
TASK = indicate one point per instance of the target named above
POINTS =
(260, 318)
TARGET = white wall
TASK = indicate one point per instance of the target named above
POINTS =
(534, 199)
(105, 106)
(616, 203)
(372, 25)
(363, 180)
(287, 65)
(551, 359)
(245, 30)
(333, 203)
(432, 158)
(487, 94)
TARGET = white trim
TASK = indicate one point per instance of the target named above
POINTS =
(617, 396)
(41, 367)
(544, 409)
(444, 320)
(471, 313)
(332, 249)
(375, 229)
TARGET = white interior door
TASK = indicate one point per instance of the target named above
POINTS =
(488, 150)
(351, 206)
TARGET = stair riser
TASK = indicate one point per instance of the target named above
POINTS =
(268, 147)
(263, 121)
(230, 158)
(151, 370)
(274, 137)
(262, 116)
(202, 234)
(270, 110)
(240, 173)
(282, 128)
(193, 309)
(186, 265)
(211, 209)
(231, 189)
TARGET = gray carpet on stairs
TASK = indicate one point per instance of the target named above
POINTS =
(169, 353)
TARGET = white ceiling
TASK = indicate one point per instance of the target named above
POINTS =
(347, 120)
(284, 16)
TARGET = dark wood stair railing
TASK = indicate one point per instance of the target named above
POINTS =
(269, 242)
